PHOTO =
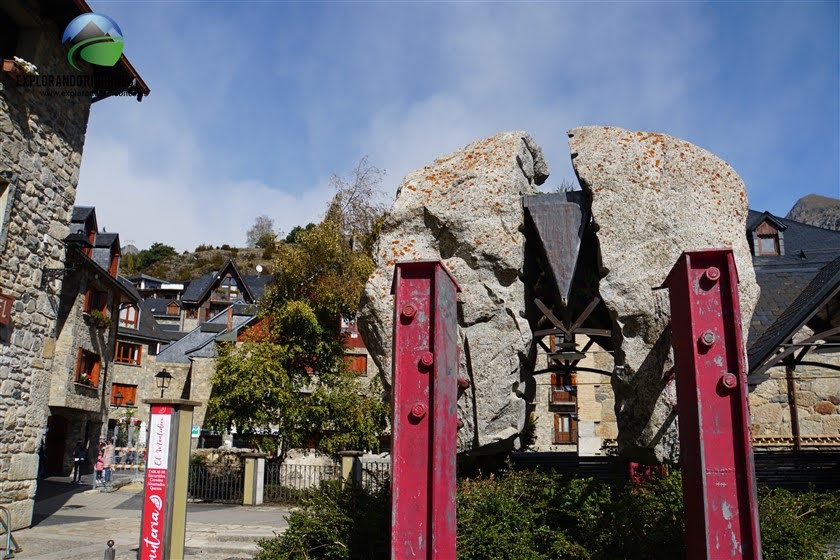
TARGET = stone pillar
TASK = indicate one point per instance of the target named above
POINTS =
(351, 467)
(252, 493)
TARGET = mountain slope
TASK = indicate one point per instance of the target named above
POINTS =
(816, 210)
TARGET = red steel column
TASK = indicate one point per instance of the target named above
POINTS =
(721, 508)
(425, 416)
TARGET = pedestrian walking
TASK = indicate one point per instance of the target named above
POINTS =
(79, 455)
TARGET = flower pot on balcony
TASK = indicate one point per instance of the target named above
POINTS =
(98, 319)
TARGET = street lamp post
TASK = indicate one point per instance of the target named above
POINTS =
(162, 380)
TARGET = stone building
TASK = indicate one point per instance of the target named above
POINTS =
(794, 344)
(793, 354)
(574, 412)
(85, 337)
(135, 364)
(41, 140)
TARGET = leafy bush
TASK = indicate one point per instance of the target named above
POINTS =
(797, 526)
(335, 523)
(511, 517)
(542, 515)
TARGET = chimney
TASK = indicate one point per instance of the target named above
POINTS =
(230, 318)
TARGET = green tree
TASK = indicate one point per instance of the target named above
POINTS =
(147, 257)
(292, 237)
(290, 378)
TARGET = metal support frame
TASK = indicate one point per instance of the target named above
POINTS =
(425, 417)
(721, 507)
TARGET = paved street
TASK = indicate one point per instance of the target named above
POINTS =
(74, 522)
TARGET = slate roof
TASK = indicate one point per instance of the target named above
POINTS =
(135, 277)
(159, 305)
(147, 328)
(81, 213)
(197, 342)
(822, 287)
(257, 284)
(793, 285)
(197, 289)
(102, 244)
(783, 277)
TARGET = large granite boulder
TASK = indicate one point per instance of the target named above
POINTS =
(466, 210)
(653, 197)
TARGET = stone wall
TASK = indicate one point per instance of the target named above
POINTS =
(817, 400)
(41, 141)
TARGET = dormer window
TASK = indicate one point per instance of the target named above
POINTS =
(129, 316)
(768, 244)
(768, 237)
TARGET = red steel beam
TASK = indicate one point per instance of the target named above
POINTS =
(721, 511)
(425, 417)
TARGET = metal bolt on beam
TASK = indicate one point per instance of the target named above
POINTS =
(409, 311)
(427, 359)
(729, 380)
(707, 339)
(712, 273)
(418, 410)
(463, 383)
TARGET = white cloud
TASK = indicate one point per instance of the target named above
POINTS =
(174, 200)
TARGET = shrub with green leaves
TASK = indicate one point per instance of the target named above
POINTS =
(335, 523)
(798, 526)
(544, 516)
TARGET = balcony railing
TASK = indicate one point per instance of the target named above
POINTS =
(562, 395)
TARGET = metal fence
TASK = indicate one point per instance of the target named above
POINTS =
(215, 483)
(290, 483)
(376, 474)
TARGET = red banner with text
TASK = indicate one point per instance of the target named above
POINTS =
(154, 499)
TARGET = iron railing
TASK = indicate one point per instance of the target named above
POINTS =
(215, 483)
(376, 474)
(290, 483)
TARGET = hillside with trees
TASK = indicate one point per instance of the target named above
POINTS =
(192, 264)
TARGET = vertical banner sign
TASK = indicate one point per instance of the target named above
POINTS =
(157, 459)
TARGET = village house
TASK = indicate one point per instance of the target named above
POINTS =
(85, 336)
(211, 293)
(139, 340)
(41, 142)
(793, 353)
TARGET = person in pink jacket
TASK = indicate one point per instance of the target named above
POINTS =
(100, 466)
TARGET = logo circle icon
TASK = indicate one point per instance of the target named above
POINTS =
(94, 38)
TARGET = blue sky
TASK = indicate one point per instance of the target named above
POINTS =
(255, 104)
